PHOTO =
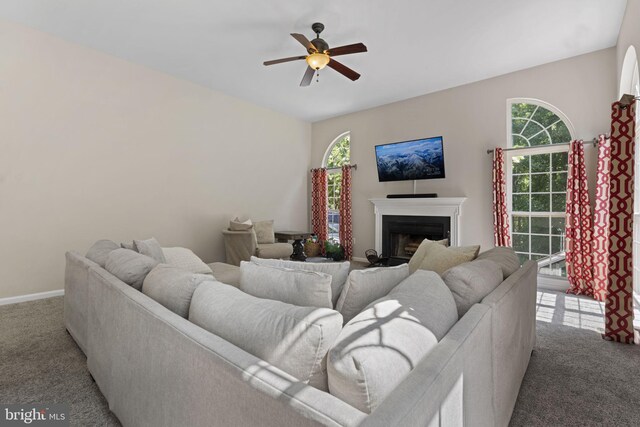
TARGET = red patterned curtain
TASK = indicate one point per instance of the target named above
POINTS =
(346, 232)
(601, 221)
(578, 224)
(619, 302)
(319, 208)
(502, 236)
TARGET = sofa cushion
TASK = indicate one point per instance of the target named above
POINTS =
(237, 225)
(150, 248)
(298, 287)
(226, 273)
(131, 246)
(337, 270)
(129, 266)
(100, 250)
(418, 256)
(172, 287)
(295, 339)
(185, 259)
(274, 250)
(365, 286)
(471, 282)
(505, 257)
(264, 231)
(440, 258)
(379, 347)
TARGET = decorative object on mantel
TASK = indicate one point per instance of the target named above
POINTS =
(374, 259)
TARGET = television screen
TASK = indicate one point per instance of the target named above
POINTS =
(408, 160)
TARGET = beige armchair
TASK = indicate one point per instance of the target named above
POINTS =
(241, 245)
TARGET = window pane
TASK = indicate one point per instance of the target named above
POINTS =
(521, 183)
(557, 226)
(540, 244)
(520, 224)
(521, 242)
(540, 139)
(545, 117)
(522, 110)
(520, 203)
(540, 203)
(530, 130)
(559, 202)
(559, 161)
(540, 183)
(519, 141)
(559, 133)
(559, 180)
(540, 225)
(517, 125)
(556, 244)
(540, 163)
(523, 258)
(340, 153)
(520, 164)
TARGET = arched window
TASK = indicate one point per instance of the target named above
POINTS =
(337, 155)
(537, 181)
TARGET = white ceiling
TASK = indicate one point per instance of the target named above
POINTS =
(415, 46)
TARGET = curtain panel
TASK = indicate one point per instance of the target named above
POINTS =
(601, 221)
(319, 208)
(501, 232)
(346, 232)
(578, 232)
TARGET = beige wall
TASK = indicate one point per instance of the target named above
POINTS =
(95, 147)
(471, 118)
(629, 34)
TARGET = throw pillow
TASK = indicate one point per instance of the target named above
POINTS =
(439, 258)
(337, 270)
(505, 257)
(264, 232)
(294, 339)
(365, 286)
(237, 225)
(379, 347)
(185, 259)
(298, 287)
(471, 282)
(150, 248)
(129, 266)
(172, 287)
(129, 246)
(100, 250)
(418, 256)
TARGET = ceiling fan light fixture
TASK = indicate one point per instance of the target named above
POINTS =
(318, 60)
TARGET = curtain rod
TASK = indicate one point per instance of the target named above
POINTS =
(355, 166)
(593, 142)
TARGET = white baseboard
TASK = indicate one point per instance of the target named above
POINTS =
(31, 297)
(358, 259)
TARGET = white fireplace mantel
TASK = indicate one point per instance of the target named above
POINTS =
(437, 206)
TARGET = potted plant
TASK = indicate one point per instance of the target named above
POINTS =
(334, 250)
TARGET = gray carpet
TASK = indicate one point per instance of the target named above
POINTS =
(574, 379)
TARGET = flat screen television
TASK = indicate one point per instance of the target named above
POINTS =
(409, 160)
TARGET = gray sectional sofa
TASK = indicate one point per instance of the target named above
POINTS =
(156, 368)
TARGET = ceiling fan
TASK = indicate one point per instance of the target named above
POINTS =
(321, 55)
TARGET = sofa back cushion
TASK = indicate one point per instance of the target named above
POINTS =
(172, 287)
(337, 270)
(505, 257)
(150, 248)
(264, 231)
(298, 287)
(294, 339)
(379, 347)
(365, 286)
(129, 266)
(100, 250)
(471, 282)
(185, 259)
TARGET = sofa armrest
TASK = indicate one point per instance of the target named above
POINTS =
(239, 245)
(76, 296)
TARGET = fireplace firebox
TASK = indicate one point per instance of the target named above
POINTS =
(402, 234)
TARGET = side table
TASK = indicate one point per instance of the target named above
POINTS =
(297, 237)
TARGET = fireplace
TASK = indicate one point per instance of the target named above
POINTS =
(402, 234)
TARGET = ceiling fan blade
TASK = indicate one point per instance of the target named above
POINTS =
(279, 61)
(344, 70)
(348, 49)
(304, 42)
(308, 76)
